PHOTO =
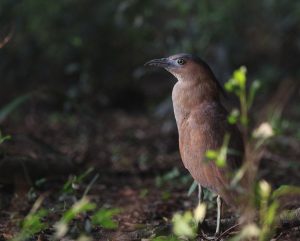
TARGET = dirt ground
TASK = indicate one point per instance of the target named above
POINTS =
(138, 166)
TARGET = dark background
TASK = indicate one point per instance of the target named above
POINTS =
(93, 51)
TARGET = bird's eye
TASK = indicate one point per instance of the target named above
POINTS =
(180, 61)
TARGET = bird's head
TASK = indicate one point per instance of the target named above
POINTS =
(182, 66)
(188, 68)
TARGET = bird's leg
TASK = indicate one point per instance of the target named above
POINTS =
(219, 206)
(200, 194)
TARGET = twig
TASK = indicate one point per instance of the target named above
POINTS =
(88, 188)
(228, 231)
(6, 39)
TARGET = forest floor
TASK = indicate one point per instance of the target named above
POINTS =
(136, 167)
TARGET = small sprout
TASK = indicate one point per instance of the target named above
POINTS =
(219, 156)
(271, 214)
(264, 189)
(211, 154)
(249, 231)
(238, 81)
(74, 182)
(61, 229)
(233, 116)
(200, 212)
(104, 218)
(285, 190)
(83, 205)
(253, 89)
(264, 131)
(4, 138)
(237, 85)
(184, 225)
(240, 76)
(32, 223)
(221, 160)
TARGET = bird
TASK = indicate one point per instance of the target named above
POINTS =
(202, 125)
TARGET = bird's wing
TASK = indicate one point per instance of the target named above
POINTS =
(205, 130)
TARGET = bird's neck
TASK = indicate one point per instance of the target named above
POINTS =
(192, 95)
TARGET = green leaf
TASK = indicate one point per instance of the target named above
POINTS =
(240, 76)
(285, 190)
(233, 117)
(10, 107)
(75, 180)
(4, 138)
(253, 89)
(192, 188)
(221, 159)
(271, 213)
(32, 223)
(104, 218)
(81, 206)
(184, 225)
(211, 154)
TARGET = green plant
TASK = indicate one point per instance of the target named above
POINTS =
(103, 217)
(185, 225)
(255, 142)
(74, 182)
(11, 106)
(32, 223)
(237, 85)
(62, 226)
(4, 138)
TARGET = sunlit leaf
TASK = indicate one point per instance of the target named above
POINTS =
(82, 205)
(211, 154)
(233, 117)
(240, 76)
(271, 213)
(222, 156)
(249, 231)
(184, 225)
(104, 218)
(264, 189)
(285, 190)
(200, 212)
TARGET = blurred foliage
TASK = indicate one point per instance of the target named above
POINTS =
(104, 218)
(4, 138)
(74, 182)
(11, 106)
(95, 50)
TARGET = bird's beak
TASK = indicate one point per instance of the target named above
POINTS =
(163, 63)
